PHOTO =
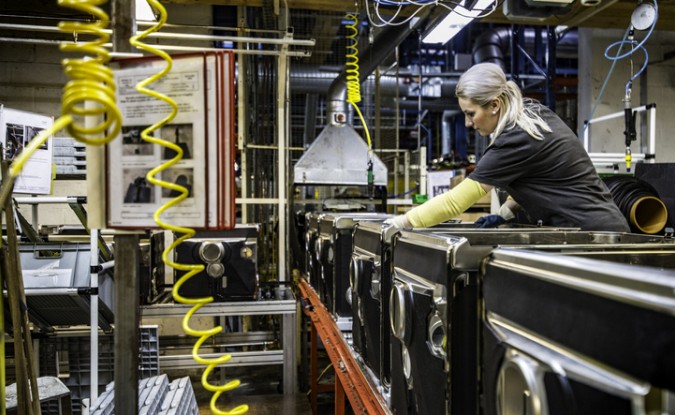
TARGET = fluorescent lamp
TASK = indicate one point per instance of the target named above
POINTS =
(454, 22)
(144, 12)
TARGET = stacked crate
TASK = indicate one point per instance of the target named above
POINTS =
(156, 396)
(68, 357)
(69, 156)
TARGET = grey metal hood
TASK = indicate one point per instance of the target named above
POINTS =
(339, 155)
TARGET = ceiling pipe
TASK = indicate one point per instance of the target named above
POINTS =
(491, 46)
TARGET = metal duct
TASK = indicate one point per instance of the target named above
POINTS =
(308, 81)
(491, 46)
(446, 135)
(339, 155)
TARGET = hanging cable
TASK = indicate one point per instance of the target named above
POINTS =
(186, 233)
(629, 116)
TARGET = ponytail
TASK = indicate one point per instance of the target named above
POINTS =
(485, 82)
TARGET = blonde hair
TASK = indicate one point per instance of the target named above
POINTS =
(486, 82)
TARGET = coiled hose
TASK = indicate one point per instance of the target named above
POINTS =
(354, 87)
(90, 92)
(186, 233)
(639, 202)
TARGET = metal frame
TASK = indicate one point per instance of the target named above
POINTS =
(349, 379)
(286, 356)
(613, 158)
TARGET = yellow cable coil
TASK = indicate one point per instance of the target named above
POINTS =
(90, 92)
(353, 81)
(91, 82)
(190, 269)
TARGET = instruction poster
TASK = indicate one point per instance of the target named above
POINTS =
(202, 85)
(17, 129)
(133, 200)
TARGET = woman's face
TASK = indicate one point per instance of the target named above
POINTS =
(482, 119)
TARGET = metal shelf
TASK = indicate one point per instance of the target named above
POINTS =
(286, 356)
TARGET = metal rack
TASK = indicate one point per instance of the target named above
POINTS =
(350, 382)
(97, 247)
(286, 357)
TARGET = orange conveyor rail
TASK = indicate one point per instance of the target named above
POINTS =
(349, 379)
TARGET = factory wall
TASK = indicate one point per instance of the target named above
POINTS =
(31, 79)
(658, 78)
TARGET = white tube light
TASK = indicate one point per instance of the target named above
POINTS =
(454, 22)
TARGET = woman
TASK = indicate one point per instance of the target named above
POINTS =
(533, 156)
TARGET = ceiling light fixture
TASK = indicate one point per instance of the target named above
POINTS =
(455, 21)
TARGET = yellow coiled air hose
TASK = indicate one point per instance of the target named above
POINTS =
(90, 92)
(354, 88)
(189, 269)
(91, 82)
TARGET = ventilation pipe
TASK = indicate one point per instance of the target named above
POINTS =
(491, 46)
(446, 134)
(339, 156)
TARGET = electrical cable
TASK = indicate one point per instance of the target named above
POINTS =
(392, 21)
(421, 5)
(186, 233)
(620, 56)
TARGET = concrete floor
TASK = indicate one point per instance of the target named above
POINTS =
(260, 389)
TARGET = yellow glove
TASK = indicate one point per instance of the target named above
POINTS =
(446, 206)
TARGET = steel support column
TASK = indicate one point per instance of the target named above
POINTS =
(127, 321)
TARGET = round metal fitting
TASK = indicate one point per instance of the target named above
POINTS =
(407, 366)
(400, 312)
(436, 336)
(215, 270)
(355, 267)
(520, 386)
(211, 251)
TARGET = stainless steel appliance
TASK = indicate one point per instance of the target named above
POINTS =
(435, 310)
(334, 250)
(579, 332)
(370, 277)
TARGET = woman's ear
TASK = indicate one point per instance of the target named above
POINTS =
(494, 106)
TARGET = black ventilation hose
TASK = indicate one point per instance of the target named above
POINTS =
(639, 202)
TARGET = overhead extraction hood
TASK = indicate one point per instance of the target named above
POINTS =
(339, 155)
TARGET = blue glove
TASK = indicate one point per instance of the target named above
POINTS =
(489, 221)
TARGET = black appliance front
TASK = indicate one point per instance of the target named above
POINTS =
(312, 266)
(370, 282)
(230, 261)
(576, 335)
(466, 248)
(336, 242)
(430, 304)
